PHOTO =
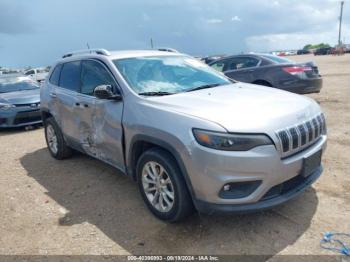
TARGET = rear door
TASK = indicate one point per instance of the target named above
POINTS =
(100, 128)
(67, 100)
(49, 96)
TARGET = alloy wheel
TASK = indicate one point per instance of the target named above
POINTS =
(157, 186)
(51, 139)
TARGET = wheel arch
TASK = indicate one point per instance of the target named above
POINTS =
(262, 82)
(45, 114)
(141, 143)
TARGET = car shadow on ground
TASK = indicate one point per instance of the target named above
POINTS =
(96, 193)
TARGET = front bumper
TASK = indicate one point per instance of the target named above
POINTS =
(262, 163)
(210, 208)
(19, 116)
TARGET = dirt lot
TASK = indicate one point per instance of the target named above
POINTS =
(83, 206)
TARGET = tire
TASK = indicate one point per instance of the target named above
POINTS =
(62, 149)
(181, 206)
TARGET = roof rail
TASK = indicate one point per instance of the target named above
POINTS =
(167, 49)
(98, 51)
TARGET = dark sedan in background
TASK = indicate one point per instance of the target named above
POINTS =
(273, 71)
(19, 102)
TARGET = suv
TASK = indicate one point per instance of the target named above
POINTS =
(190, 136)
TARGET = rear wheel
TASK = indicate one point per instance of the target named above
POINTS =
(162, 186)
(55, 140)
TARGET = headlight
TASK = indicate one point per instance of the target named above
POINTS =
(4, 106)
(230, 142)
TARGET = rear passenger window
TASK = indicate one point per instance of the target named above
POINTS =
(70, 76)
(94, 74)
(55, 76)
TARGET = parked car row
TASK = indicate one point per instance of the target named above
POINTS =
(190, 136)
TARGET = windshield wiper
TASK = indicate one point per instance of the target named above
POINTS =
(156, 93)
(203, 87)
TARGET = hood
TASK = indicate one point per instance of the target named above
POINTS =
(243, 107)
(21, 97)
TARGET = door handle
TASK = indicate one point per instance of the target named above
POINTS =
(86, 105)
(77, 104)
(53, 95)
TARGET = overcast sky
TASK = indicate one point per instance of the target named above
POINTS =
(38, 32)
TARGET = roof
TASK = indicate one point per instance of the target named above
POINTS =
(140, 53)
(122, 54)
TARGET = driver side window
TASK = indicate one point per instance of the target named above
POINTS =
(241, 63)
(94, 74)
(219, 66)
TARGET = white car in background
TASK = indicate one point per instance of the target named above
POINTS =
(37, 74)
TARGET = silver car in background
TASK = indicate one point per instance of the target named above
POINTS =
(37, 74)
(189, 136)
(19, 102)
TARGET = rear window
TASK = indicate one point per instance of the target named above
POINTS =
(55, 76)
(70, 76)
(277, 59)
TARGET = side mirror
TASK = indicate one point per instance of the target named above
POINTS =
(106, 92)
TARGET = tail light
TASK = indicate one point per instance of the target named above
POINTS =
(294, 70)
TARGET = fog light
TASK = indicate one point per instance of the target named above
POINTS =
(239, 189)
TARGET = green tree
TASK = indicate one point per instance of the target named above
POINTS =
(315, 46)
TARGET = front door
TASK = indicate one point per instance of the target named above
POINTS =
(241, 68)
(101, 120)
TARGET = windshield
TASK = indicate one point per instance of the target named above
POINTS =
(277, 59)
(170, 74)
(11, 85)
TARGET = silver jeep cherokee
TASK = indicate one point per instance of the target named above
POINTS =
(189, 136)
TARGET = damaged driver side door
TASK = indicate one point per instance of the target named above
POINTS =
(101, 119)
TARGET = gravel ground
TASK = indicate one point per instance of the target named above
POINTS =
(83, 206)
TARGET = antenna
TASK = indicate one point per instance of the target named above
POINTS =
(88, 46)
(340, 21)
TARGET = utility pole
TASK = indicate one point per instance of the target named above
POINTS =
(340, 21)
(151, 43)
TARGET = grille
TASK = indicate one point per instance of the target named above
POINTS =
(2, 121)
(27, 117)
(297, 137)
(34, 105)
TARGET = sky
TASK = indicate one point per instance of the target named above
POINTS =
(39, 32)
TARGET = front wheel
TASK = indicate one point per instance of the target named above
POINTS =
(162, 186)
